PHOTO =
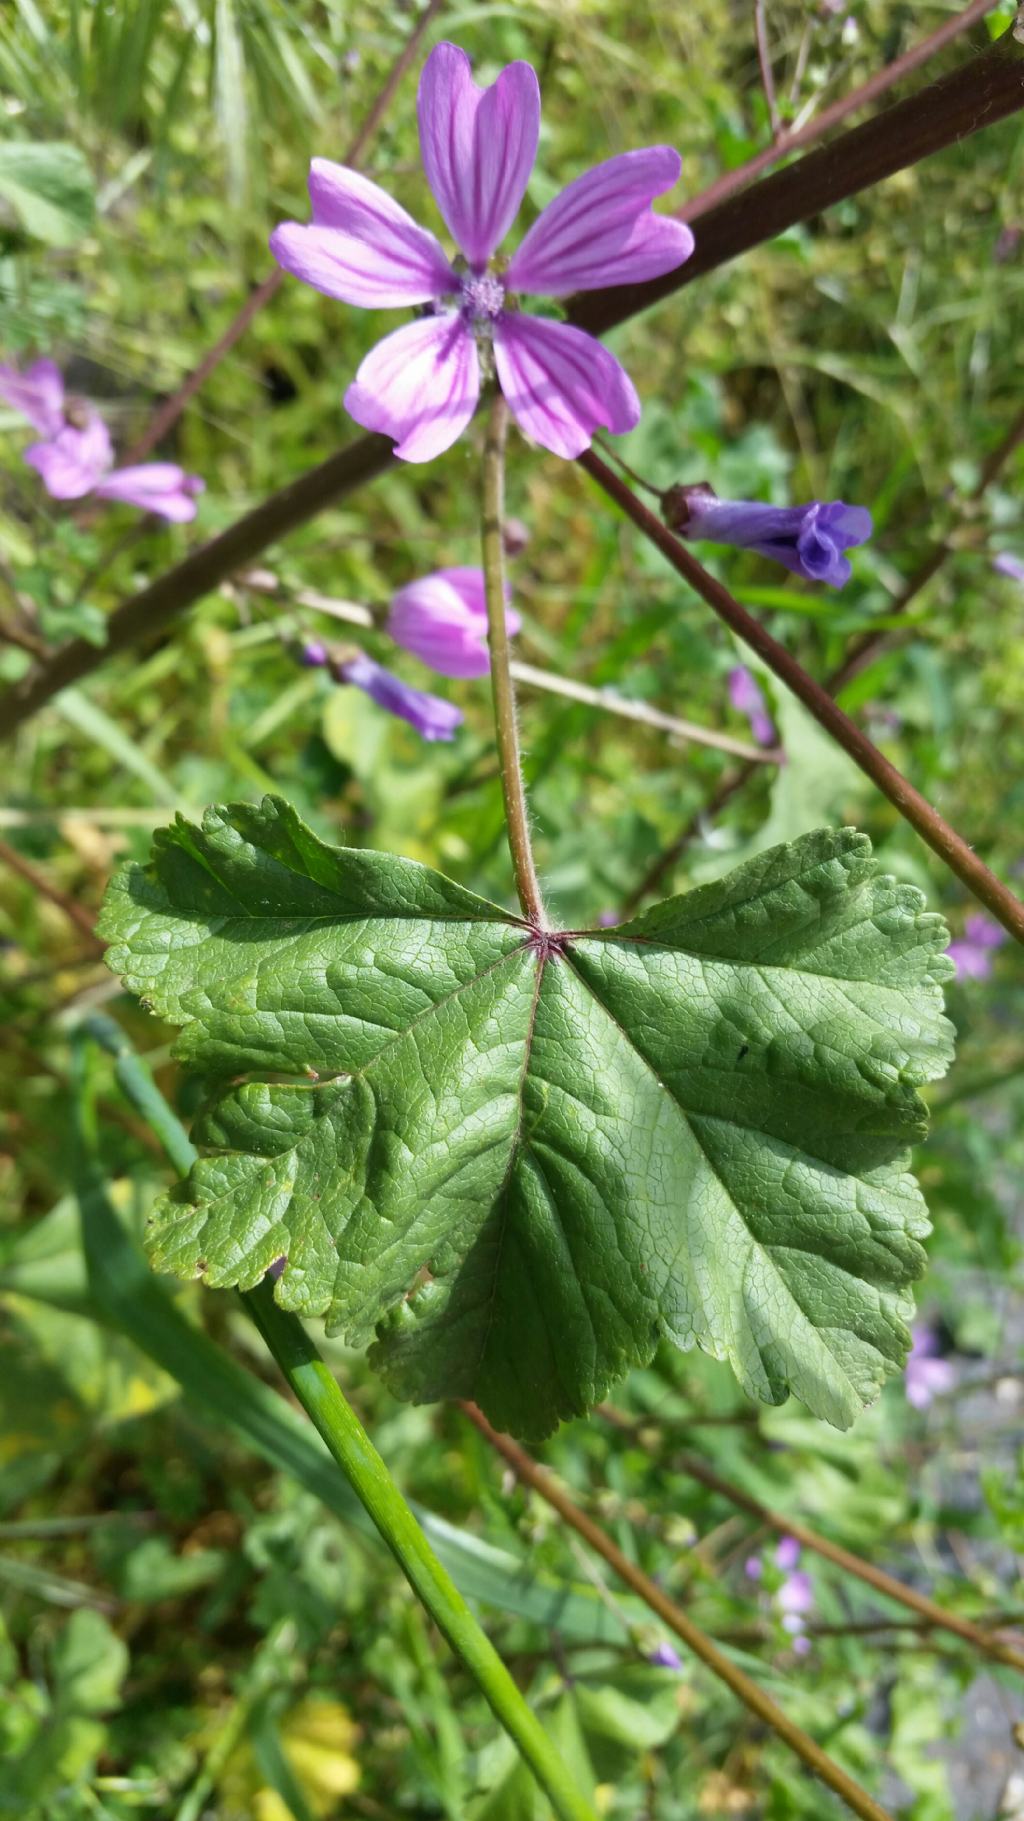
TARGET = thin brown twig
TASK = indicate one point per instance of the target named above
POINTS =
(915, 809)
(703, 1647)
(169, 412)
(17, 863)
(799, 138)
(765, 63)
(861, 653)
(928, 1610)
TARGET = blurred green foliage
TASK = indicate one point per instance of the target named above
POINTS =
(188, 1631)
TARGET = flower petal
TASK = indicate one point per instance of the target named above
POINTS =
(419, 386)
(432, 717)
(38, 394)
(160, 487)
(469, 585)
(361, 245)
(561, 384)
(72, 462)
(478, 146)
(601, 229)
(442, 620)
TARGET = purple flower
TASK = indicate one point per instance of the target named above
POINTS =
(76, 456)
(753, 1568)
(665, 1657)
(795, 1598)
(810, 540)
(442, 620)
(314, 654)
(972, 952)
(928, 1376)
(787, 1555)
(420, 385)
(746, 697)
(1005, 564)
(431, 717)
(37, 395)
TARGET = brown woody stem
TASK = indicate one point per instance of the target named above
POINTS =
(922, 815)
(703, 1647)
(928, 1611)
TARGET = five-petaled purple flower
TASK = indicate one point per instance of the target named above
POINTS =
(810, 540)
(442, 620)
(421, 384)
(433, 718)
(972, 952)
(746, 697)
(76, 456)
(928, 1374)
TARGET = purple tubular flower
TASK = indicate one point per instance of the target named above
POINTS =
(746, 697)
(809, 540)
(664, 1657)
(314, 654)
(928, 1375)
(1005, 564)
(421, 384)
(971, 953)
(37, 394)
(431, 717)
(753, 1568)
(442, 620)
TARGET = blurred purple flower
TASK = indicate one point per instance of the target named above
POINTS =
(809, 540)
(37, 395)
(1005, 564)
(314, 654)
(795, 1598)
(753, 1567)
(664, 1657)
(421, 384)
(431, 717)
(746, 697)
(76, 457)
(442, 620)
(972, 952)
(928, 1375)
(787, 1555)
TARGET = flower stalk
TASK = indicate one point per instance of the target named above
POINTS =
(321, 1397)
(502, 688)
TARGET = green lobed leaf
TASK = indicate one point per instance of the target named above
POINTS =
(520, 1161)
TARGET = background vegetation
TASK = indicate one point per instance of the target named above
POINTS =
(185, 1629)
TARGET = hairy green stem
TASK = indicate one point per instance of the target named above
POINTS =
(320, 1396)
(505, 718)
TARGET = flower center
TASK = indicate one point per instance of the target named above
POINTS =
(482, 298)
